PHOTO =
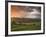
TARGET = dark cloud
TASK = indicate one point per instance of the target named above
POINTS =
(27, 8)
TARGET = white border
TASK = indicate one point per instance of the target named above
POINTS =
(23, 32)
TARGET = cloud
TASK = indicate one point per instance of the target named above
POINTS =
(34, 14)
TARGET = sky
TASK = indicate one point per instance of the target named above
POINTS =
(25, 11)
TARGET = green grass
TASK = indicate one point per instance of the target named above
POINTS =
(26, 26)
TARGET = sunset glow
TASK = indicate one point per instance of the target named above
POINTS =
(25, 12)
(16, 12)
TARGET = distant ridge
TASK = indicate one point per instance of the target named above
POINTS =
(25, 20)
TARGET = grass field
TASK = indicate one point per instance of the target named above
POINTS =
(34, 25)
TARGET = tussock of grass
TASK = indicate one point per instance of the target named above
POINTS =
(25, 27)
